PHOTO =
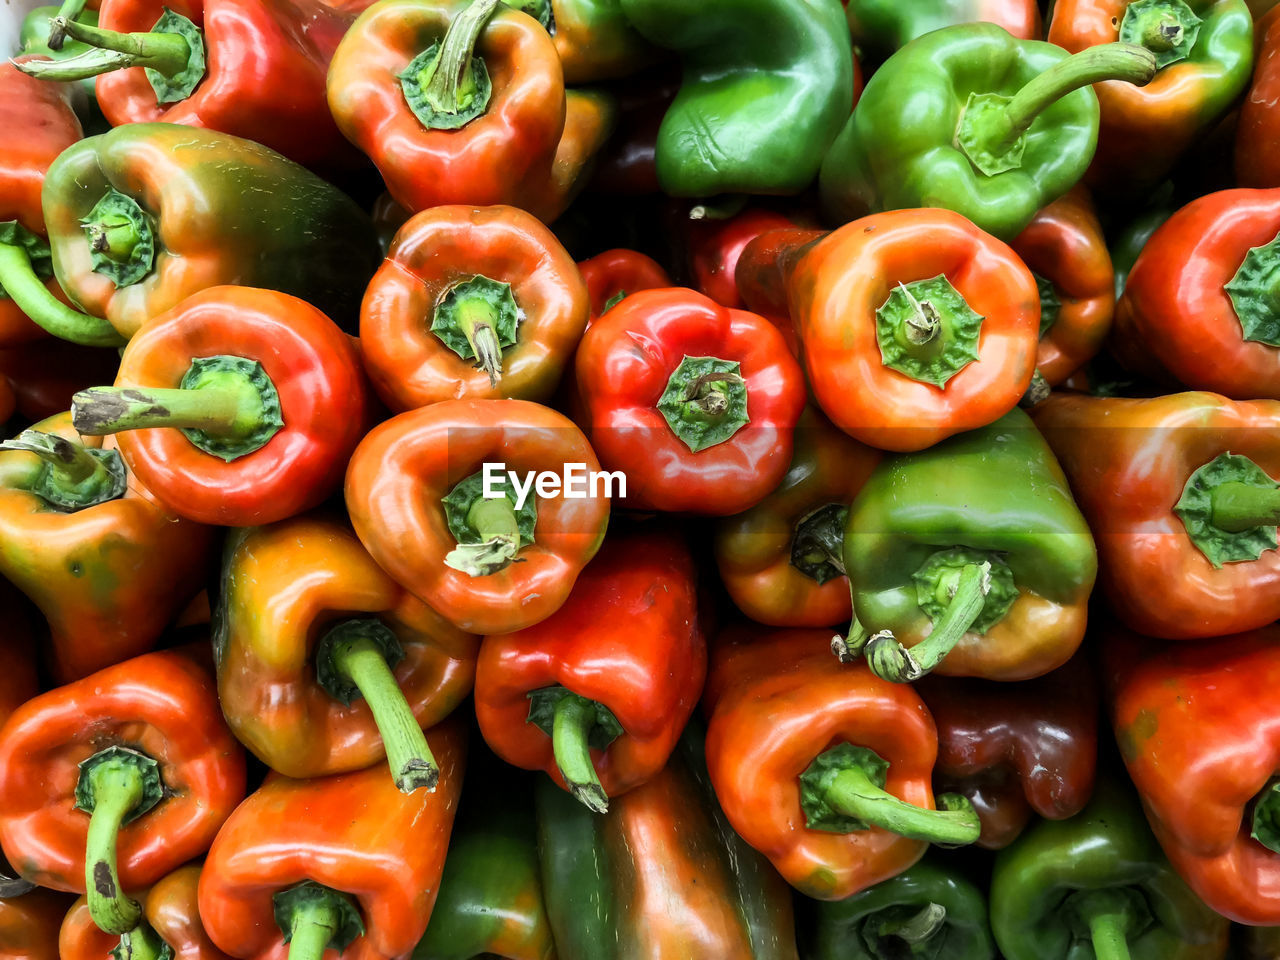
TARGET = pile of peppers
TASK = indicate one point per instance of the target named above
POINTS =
(640, 480)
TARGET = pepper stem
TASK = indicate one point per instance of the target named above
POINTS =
(918, 927)
(1107, 931)
(476, 321)
(1241, 506)
(850, 647)
(314, 919)
(890, 660)
(33, 298)
(1107, 914)
(853, 793)
(924, 322)
(494, 519)
(314, 925)
(69, 10)
(571, 728)
(117, 790)
(142, 943)
(451, 66)
(166, 53)
(1162, 34)
(72, 463)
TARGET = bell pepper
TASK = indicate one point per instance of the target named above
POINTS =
(170, 919)
(782, 561)
(46, 374)
(1012, 748)
(1259, 123)
(34, 38)
(973, 555)
(824, 768)
(42, 126)
(714, 247)
(416, 494)
(995, 128)
(111, 782)
(345, 863)
(1204, 54)
(239, 406)
(694, 402)
(661, 875)
(454, 102)
(1133, 237)
(1180, 491)
(593, 39)
(881, 27)
(1065, 250)
(1198, 306)
(1096, 885)
(29, 925)
(326, 664)
(765, 263)
(614, 274)
(915, 325)
(146, 215)
(1196, 726)
(243, 67)
(471, 303)
(766, 87)
(931, 910)
(590, 116)
(81, 536)
(577, 696)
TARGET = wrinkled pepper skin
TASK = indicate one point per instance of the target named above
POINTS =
(1063, 245)
(662, 875)
(29, 925)
(1255, 164)
(854, 928)
(1177, 323)
(283, 585)
(1143, 130)
(193, 184)
(756, 550)
(963, 493)
(161, 704)
(619, 271)
(1016, 749)
(169, 908)
(1200, 737)
(880, 27)
(355, 834)
(1041, 884)
(629, 638)
(1129, 462)
(765, 90)
(109, 577)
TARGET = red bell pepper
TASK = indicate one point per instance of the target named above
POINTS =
(1256, 163)
(714, 247)
(597, 694)
(29, 925)
(615, 274)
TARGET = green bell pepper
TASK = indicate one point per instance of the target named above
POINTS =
(879, 27)
(1098, 885)
(766, 86)
(971, 550)
(994, 128)
(930, 912)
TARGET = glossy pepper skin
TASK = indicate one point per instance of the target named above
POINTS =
(48, 126)
(636, 360)
(163, 705)
(169, 908)
(29, 925)
(880, 27)
(1100, 870)
(108, 577)
(1143, 130)
(661, 875)
(628, 639)
(191, 186)
(486, 161)
(891, 919)
(958, 503)
(901, 152)
(403, 467)
(765, 90)
(619, 272)
(434, 257)
(1130, 462)
(283, 588)
(1197, 309)
(355, 835)
(781, 561)
(1016, 749)
(840, 293)
(1259, 124)
(715, 246)
(1065, 250)
(595, 41)
(1197, 730)
(239, 473)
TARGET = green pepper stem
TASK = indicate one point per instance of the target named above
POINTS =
(454, 59)
(69, 10)
(495, 521)
(924, 322)
(1241, 506)
(476, 321)
(116, 239)
(364, 664)
(72, 464)
(1037, 391)
(117, 790)
(314, 925)
(574, 718)
(33, 298)
(1108, 933)
(918, 927)
(1106, 61)
(166, 53)
(225, 411)
(142, 943)
(890, 660)
(850, 647)
(1162, 34)
(852, 793)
